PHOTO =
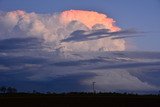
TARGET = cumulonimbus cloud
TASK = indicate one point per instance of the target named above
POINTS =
(54, 28)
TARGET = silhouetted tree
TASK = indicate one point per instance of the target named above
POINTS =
(14, 90)
(34, 92)
(11, 90)
(3, 89)
(49, 92)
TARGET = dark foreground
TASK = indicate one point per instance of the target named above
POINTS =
(78, 100)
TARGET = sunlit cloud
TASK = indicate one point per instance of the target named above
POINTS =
(54, 28)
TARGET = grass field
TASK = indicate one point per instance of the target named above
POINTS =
(78, 100)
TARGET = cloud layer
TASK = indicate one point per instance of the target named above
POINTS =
(54, 28)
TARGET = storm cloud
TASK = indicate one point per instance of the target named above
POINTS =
(40, 50)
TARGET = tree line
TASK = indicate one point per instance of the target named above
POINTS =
(4, 89)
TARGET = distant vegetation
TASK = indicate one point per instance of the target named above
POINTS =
(4, 89)
(13, 90)
(10, 97)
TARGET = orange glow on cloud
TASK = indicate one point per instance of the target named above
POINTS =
(50, 29)
(89, 18)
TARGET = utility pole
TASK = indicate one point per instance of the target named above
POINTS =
(93, 86)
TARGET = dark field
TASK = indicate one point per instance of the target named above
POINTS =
(78, 100)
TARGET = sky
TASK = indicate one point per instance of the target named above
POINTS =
(140, 15)
(65, 45)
